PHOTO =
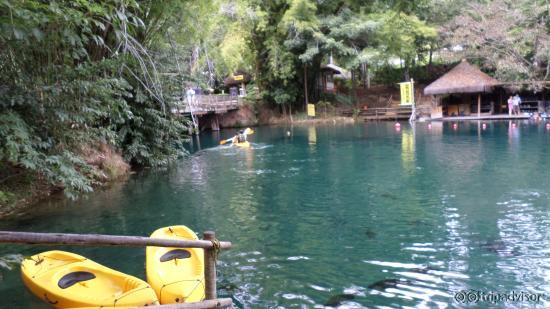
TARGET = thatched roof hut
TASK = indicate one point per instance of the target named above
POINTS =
(464, 78)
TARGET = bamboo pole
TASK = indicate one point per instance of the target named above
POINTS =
(102, 240)
(210, 267)
(211, 303)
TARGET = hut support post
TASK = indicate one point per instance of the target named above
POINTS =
(210, 267)
(479, 105)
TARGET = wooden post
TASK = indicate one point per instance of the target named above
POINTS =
(210, 267)
(478, 105)
(500, 102)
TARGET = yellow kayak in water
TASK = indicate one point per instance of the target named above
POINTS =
(176, 274)
(67, 280)
(241, 136)
(245, 144)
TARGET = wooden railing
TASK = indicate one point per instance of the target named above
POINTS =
(210, 245)
(208, 103)
(387, 113)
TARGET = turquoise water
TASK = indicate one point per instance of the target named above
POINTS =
(355, 215)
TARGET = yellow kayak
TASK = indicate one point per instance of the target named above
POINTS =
(243, 144)
(176, 274)
(67, 280)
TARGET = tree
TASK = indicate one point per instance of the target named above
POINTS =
(302, 25)
(510, 37)
(80, 73)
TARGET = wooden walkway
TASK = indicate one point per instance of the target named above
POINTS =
(485, 117)
(386, 113)
(206, 104)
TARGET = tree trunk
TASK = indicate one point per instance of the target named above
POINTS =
(430, 57)
(406, 73)
(364, 74)
(290, 112)
(353, 87)
(305, 86)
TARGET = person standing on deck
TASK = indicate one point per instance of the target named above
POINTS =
(510, 106)
(190, 95)
(517, 102)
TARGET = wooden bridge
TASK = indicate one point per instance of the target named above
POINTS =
(199, 105)
(208, 103)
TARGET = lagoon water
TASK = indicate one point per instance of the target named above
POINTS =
(354, 215)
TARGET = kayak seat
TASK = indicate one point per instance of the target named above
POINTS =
(73, 278)
(175, 254)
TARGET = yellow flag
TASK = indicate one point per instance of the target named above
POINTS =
(407, 93)
(311, 110)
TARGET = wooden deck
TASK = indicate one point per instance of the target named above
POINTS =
(206, 104)
(386, 113)
(484, 117)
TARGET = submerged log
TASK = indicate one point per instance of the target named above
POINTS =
(102, 240)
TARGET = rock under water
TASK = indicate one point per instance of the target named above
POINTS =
(336, 300)
(370, 233)
(386, 283)
(500, 247)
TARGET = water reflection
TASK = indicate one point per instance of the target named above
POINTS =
(312, 135)
(522, 228)
(408, 148)
(513, 135)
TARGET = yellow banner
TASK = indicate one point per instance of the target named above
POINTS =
(238, 77)
(311, 110)
(407, 93)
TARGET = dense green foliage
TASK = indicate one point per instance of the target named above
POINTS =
(78, 73)
(289, 40)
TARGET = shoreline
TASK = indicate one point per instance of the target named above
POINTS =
(301, 120)
(38, 191)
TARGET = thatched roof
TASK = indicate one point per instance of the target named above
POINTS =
(464, 78)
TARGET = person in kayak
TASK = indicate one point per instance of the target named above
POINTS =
(241, 137)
